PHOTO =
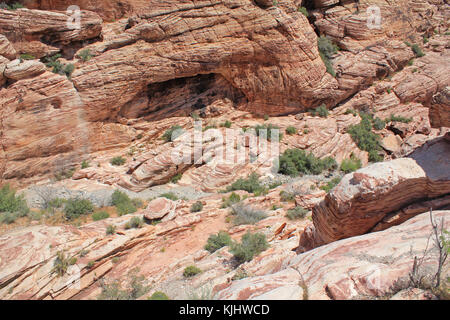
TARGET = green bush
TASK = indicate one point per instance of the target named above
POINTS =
(331, 184)
(417, 50)
(351, 111)
(172, 133)
(286, 196)
(169, 195)
(303, 10)
(251, 184)
(176, 177)
(226, 124)
(158, 295)
(136, 288)
(26, 56)
(191, 271)
(268, 130)
(197, 207)
(217, 241)
(394, 118)
(58, 67)
(110, 229)
(250, 246)
(85, 164)
(134, 223)
(365, 139)
(76, 207)
(85, 55)
(62, 263)
(246, 214)
(11, 205)
(100, 215)
(291, 130)
(118, 161)
(378, 124)
(232, 199)
(350, 165)
(294, 162)
(320, 111)
(296, 213)
(123, 203)
(11, 7)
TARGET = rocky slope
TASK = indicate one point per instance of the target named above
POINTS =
(134, 69)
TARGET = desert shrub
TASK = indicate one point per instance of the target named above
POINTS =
(226, 124)
(197, 207)
(250, 246)
(26, 56)
(350, 111)
(251, 184)
(267, 130)
(11, 7)
(85, 164)
(85, 55)
(417, 50)
(64, 174)
(378, 124)
(320, 111)
(291, 130)
(191, 271)
(365, 139)
(138, 203)
(326, 50)
(158, 295)
(135, 288)
(169, 195)
(246, 214)
(12, 206)
(217, 241)
(118, 161)
(296, 213)
(58, 67)
(134, 223)
(303, 10)
(232, 199)
(62, 263)
(240, 274)
(172, 133)
(76, 207)
(294, 162)
(331, 184)
(100, 215)
(286, 196)
(176, 177)
(351, 164)
(395, 118)
(110, 229)
(123, 203)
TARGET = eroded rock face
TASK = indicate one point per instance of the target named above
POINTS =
(365, 197)
(354, 268)
(17, 70)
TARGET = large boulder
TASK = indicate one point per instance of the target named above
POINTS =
(363, 198)
(17, 70)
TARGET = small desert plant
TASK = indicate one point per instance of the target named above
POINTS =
(158, 295)
(135, 288)
(395, 118)
(118, 161)
(320, 111)
(197, 207)
(217, 241)
(169, 195)
(11, 205)
(303, 10)
(62, 263)
(191, 271)
(250, 246)
(134, 223)
(123, 203)
(378, 124)
(326, 50)
(417, 50)
(296, 213)
(100, 215)
(246, 214)
(294, 162)
(351, 164)
(251, 184)
(110, 229)
(26, 56)
(226, 124)
(76, 207)
(331, 184)
(232, 199)
(85, 55)
(176, 177)
(291, 130)
(240, 274)
(85, 164)
(268, 131)
(286, 196)
(365, 139)
(172, 133)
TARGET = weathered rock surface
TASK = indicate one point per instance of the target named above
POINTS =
(363, 198)
(361, 267)
(17, 70)
(160, 208)
(6, 49)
